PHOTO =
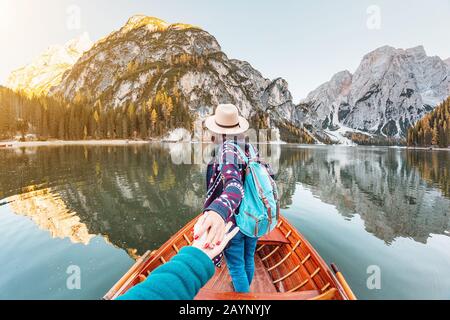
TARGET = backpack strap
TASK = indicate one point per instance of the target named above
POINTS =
(239, 150)
(252, 152)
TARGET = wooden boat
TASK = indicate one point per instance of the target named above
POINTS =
(286, 268)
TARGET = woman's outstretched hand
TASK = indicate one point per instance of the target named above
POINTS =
(214, 251)
(213, 225)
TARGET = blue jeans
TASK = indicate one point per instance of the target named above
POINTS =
(240, 257)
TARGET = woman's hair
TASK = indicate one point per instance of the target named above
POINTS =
(221, 138)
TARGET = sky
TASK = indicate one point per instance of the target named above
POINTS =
(304, 42)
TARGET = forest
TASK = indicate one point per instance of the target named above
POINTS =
(433, 129)
(377, 140)
(49, 117)
(53, 118)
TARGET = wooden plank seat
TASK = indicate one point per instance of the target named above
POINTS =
(262, 282)
(276, 237)
(206, 294)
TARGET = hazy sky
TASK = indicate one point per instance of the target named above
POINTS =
(305, 42)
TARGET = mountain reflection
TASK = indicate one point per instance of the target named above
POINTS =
(49, 212)
(397, 193)
(134, 196)
(137, 197)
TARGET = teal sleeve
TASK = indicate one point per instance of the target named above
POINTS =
(179, 279)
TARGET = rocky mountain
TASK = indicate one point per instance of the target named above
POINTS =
(47, 69)
(391, 89)
(148, 56)
(177, 73)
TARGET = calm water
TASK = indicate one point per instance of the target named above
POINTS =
(99, 207)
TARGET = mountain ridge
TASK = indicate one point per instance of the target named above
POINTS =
(135, 64)
(177, 73)
(390, 90)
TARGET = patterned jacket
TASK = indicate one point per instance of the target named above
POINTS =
(225, 182)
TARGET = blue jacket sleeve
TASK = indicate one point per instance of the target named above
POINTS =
(179, 279)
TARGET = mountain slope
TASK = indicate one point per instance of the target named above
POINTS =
(148, 79)
(171, 75)
(46, 70)
(149, 57)
(390, 91)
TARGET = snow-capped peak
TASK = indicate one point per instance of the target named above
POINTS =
(140, 20)
(418, 51)
(151, 23)
(80, 44)
(47, 69)
(391, 89)
(447, 61)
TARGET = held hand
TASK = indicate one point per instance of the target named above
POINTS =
(214, 251)
(212, 225)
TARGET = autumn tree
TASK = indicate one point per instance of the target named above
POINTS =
(433, 128)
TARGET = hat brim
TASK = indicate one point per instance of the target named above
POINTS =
(211, 124)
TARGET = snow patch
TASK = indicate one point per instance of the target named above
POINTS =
(339, 135)
(123, 91)
(178, 135)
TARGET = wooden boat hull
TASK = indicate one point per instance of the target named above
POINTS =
(286, 268)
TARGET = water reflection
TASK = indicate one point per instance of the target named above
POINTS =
(136, 197)
(49, 212)
(397, 193)
(434, 167)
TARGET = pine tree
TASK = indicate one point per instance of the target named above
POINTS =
(433, 128)
(96, 124)
(154, 119)
(143, 123)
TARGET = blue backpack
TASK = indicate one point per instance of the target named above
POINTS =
(259, 210)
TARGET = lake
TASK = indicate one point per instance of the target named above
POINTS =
(96, 208)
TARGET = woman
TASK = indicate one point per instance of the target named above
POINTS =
(225, 192)
(185, 274)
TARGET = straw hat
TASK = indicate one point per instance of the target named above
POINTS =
(227, 120)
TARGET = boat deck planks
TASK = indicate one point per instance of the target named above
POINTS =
(286, 268)
(262, 282)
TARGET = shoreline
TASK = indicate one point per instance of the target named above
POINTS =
(117, 142)
(422, 148)
(11, 144)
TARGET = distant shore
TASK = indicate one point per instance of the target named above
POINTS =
(120, 142)
(104, 142)
(424, 148)
(19, 144)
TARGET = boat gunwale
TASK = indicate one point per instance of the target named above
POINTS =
(319, 260)
(145, 263)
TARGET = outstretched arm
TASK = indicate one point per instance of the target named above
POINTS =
(184, 275)
(179, 279)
